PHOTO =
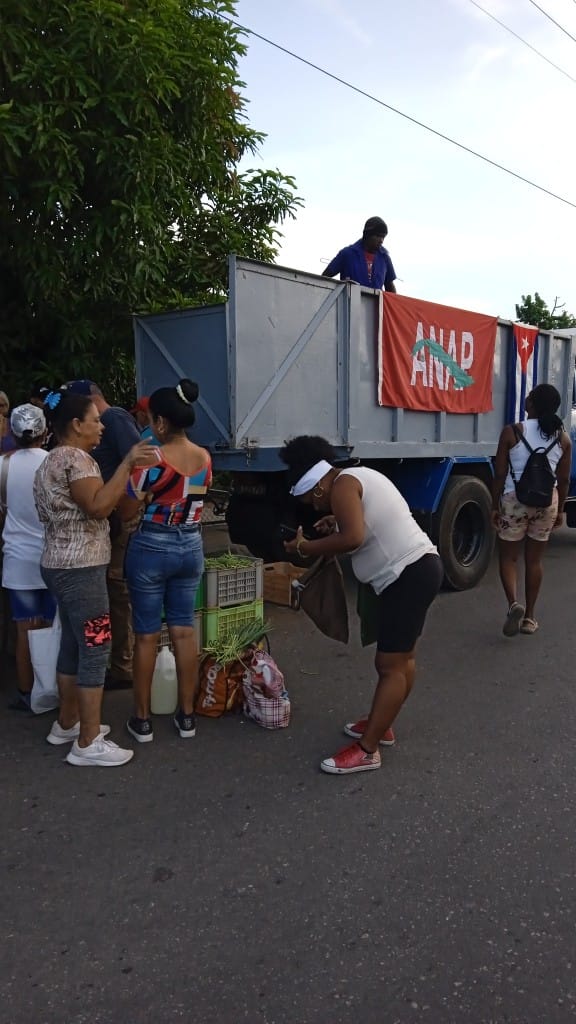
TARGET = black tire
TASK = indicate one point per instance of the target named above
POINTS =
(462, 530)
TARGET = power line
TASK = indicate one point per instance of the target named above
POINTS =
(524, 41)
(395, 110)
(553, 20)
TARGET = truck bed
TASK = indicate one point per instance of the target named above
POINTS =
(292, 353)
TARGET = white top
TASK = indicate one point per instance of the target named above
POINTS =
(23, 534)
(519, 454)
(392, 537)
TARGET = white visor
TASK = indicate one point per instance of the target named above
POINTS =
(311, 478)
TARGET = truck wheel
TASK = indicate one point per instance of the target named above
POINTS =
(462, 530)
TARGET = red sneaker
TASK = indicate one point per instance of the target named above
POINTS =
(357, 729)
(351, 759)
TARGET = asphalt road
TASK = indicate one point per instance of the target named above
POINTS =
(226, 879)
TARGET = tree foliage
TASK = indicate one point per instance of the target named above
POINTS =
(535, 311)
(122, 126)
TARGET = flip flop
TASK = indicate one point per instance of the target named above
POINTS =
(529, 626)
(513, 619)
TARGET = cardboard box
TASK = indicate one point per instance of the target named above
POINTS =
(278, 588)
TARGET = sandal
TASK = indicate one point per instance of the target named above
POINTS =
(528, 626)
(513, 619)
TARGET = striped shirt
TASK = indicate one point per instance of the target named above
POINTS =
(177, 498)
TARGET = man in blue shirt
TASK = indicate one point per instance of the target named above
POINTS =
(366, 262)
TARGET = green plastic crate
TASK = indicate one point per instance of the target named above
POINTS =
(219, 622)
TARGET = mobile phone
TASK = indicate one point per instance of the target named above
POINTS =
(287, 532)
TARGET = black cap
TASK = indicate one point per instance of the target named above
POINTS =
(375, 226)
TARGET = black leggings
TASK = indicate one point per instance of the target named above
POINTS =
(405, 603)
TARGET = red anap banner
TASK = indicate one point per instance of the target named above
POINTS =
(434, 358)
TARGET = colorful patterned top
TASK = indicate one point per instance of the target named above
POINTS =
(177, 499)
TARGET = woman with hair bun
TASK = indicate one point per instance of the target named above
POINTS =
(521, 528)
(165, 559)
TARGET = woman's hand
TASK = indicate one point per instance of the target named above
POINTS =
(294, 547)
(326, 525)
(496, 518)
(142, 454)
(291, 546)
(559, 521)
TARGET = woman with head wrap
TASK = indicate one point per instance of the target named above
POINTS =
(368, 517)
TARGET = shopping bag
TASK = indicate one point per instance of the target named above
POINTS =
(44, 647)
(321, 595)
(266, 699)
(219, 687)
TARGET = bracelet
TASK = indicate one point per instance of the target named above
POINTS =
(299, 544)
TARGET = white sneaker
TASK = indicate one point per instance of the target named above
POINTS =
(100, 752)
(58, 735)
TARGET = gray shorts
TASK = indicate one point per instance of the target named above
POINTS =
(82, 599)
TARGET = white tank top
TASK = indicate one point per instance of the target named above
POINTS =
(519, 454)
(392, 537)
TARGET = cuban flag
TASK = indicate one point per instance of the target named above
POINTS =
(522, 370)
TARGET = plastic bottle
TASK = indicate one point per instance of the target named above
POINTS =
(164, 696)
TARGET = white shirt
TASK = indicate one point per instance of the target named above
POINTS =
(392, 537)
(519, 454)
(23, 534)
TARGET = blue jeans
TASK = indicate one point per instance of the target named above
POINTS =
(164, 566)
(32, 604)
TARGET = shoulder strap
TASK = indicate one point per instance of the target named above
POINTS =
(520, 435)
(4, 480)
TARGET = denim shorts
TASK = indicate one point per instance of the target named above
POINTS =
(164, 566)
(32, 604)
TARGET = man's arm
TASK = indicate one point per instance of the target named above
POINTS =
(125, 435)
(389, 285)
(335, 267)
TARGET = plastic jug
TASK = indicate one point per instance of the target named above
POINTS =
(164, 696)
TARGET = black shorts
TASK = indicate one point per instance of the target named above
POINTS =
(405, 603)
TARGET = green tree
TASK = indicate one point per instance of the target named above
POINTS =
(534, 311)
(122, 127)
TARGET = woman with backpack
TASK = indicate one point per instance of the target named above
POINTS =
(531, 480)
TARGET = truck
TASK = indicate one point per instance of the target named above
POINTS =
(287, 353)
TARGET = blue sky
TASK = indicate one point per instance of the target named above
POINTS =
(460, 232)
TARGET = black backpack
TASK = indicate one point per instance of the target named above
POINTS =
(535, 487)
